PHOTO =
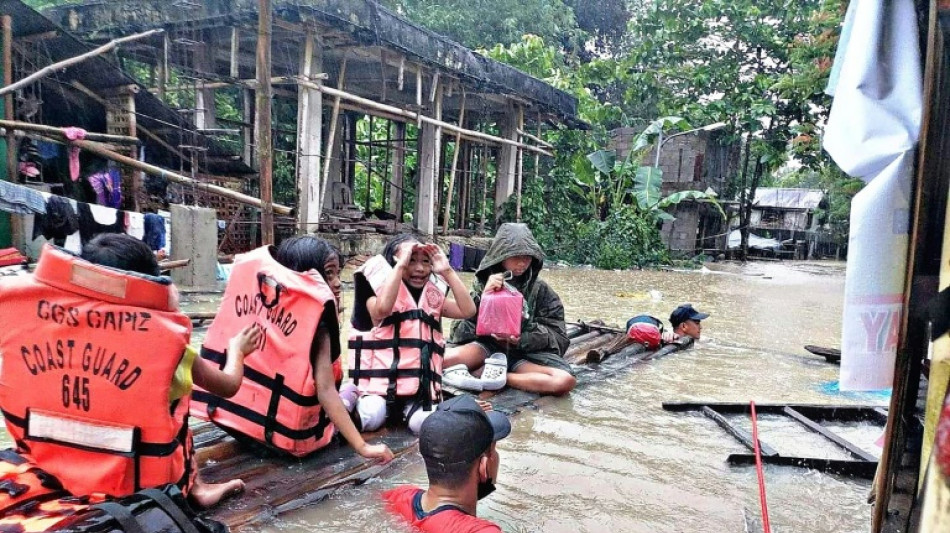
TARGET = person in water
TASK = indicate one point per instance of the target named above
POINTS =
(458, 444)
(124, 252)
(535, 360)
(396, 342)
(686, 322)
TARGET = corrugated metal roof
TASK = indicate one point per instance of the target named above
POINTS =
(100, 74)
(788, 198)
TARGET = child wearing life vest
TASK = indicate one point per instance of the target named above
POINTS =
(288, 401)
(396, 344)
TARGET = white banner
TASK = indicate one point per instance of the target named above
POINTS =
(871, 134)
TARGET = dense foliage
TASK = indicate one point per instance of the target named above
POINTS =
(759, 65)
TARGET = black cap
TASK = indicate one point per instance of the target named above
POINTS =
(459, 431)
(686, 312)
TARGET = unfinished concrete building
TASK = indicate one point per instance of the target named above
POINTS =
(390, 120)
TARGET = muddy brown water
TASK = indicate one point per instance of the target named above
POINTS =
(609, 458)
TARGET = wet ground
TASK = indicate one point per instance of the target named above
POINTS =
(608, 458)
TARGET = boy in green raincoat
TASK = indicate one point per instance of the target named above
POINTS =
(534, 361)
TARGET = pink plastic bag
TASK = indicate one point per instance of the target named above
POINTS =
(500, 313)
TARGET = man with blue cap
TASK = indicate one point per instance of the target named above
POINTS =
(686, 321)
(457, 443)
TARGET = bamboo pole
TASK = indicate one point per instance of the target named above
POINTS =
(7, 23)
(265, 148)
(11, 125)
(98, 149)
(331, 139)
(418, 117)
(60, 65)
(536, 139)
(455, 163)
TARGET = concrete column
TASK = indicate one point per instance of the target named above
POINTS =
(429, 170)
(399, 170)
(195, 237)
(204, 98)
(309, 137)
(508, 157)
(336, 165)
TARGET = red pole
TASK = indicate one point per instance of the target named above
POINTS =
(758, 470)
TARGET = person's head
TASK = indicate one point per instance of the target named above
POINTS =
(513, 249)
(517, 264)
(457, 443)
(420, 265)
(306, 252)
(121, 251)
(687, 321)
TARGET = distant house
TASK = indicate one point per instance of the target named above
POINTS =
(697, 161)
(793, 217)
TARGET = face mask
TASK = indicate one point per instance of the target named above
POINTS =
(486, 488)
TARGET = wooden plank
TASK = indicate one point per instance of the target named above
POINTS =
(813, 411)
(862, 469)
(830, 435)
(740, 434)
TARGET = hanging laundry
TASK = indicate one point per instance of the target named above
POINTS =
(60, 219)
(96, 219)
(20, 200)
(74, 134)
(154, 231)
(456, 256)
(135, 222)
(108, 186)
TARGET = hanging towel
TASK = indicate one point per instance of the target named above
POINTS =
(154, 231)
(456, 256)
(136, 224)
(74, 134)
(21, 200)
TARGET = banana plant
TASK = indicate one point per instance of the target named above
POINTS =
(643, 183)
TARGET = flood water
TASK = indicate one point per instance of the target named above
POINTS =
(609, 458)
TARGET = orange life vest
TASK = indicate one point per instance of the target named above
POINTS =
(402, 356)
(277, 403)
(89, 354)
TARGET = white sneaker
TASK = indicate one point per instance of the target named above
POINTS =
(495, 373)
(459, 377)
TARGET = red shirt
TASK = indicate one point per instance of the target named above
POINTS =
(406, 502)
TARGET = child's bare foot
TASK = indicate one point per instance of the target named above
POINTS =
(207, 495)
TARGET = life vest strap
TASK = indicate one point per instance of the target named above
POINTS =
(261, 420)
(171, 509)
(122, 515)
(400, 373)
(414, 314)
(264, 380)
(362, 344)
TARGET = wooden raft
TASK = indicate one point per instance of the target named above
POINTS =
(276, 485)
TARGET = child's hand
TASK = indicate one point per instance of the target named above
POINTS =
(440, 263)
(246, 341)
(404, 254)
(495, 282)
(376, 451)
(486, 406)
